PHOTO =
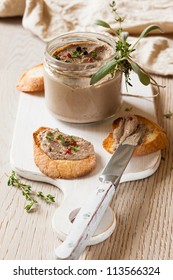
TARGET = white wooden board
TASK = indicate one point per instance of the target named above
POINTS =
(32, 114)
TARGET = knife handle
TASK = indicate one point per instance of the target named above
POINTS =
(86, 223)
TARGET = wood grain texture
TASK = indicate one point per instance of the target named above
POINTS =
(144, 208)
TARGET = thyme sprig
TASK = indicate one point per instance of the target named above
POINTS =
(123, 61)
(27, 192)
(48, 198)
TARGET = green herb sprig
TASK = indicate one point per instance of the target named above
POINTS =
(48, 198)
(123, 61)
(27, 192)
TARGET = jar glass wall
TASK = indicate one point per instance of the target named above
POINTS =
(68, 93)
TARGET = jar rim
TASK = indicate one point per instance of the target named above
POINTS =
(83, 35)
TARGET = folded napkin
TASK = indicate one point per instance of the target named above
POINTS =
(9, 8)
(155, 55)
(50, 18)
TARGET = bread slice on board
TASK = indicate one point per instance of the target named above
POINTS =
(32, 80)
(62, 168)
(154, 137)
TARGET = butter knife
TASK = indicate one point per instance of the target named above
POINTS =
(91, 213)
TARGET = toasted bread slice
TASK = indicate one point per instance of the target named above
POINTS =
(62, 168)
(154, 137)
(32, 80)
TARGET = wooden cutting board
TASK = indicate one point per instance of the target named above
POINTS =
(32, 114)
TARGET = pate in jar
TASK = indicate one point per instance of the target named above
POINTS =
(70, 61)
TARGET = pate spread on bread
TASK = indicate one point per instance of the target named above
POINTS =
(59, 155)
(32, 80)
(153, 137)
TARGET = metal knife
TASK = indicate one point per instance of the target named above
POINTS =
(90, 215)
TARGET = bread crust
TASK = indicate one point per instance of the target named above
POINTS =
(155, 140)
(66, 169)
(32, 80)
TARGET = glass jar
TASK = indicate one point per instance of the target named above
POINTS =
(68, 93)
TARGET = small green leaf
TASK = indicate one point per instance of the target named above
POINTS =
(102, 23)
(29, 206)
(149, 29)
(168, 115)
(40, 194)
(75, 148)
(103, 71)
(94, 54)
(62, 139)
(143, 77)
(146, 31)
(50, 137)
(49, 198)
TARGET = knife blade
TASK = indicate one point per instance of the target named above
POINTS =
(92, 212)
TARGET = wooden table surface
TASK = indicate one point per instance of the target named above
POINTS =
(144, 208)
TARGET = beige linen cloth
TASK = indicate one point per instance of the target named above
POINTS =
(49, 18)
